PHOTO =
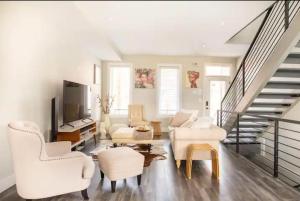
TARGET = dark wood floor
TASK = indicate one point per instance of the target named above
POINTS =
(240, 181)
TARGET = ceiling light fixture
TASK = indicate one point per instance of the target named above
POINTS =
(222, 23)
(203, 45)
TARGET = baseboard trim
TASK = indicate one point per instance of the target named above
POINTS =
(7, 182)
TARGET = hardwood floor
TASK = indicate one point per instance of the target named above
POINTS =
(240, 180)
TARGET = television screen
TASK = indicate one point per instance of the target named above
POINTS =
(76, 101)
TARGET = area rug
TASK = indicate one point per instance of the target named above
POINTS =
(157, 151)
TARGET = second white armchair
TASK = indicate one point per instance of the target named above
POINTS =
(46, 169)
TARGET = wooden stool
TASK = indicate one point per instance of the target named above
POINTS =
(156, 127)
(202, 147)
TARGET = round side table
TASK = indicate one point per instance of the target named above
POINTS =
(156, 127)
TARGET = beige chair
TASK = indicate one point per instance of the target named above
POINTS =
(135, 115)
(46, 169)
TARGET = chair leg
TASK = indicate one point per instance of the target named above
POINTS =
(139, 179)
(84, 194)
(95, 140)
(102, 174)
(113, 186)
(178, 162)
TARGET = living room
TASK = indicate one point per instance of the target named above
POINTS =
(149, 100)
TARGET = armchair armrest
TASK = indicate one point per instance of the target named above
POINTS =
(212, 133)
(58, 148)
(75, 163)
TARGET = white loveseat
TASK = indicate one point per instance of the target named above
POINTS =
(46, 169)
(181, 137)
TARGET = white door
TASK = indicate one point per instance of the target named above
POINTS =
(215, 89)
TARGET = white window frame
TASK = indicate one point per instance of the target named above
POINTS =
(179, 67)
(125, 65)
(219, 64)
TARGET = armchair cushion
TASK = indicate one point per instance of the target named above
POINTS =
(58, 148)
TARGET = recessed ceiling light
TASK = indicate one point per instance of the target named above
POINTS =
(222, 23)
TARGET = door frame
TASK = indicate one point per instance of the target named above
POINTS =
(206, 94)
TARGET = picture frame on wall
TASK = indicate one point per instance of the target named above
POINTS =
(97, 74)
(192, 79)
(144, 78)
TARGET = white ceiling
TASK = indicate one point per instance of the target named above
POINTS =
(172, 28)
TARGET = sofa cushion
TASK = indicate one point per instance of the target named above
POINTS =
(212, 133)
(180, 118)
(194, 114)
(202, 122)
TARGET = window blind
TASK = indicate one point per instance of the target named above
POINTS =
(119, 89)
(168, 90)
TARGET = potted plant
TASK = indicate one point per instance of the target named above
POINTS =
(106, 103)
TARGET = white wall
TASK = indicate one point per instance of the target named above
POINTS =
(191, 98)
(40, 46)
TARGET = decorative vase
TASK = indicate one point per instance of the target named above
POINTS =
(107, 122)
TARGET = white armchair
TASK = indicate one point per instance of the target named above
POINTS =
(46, 169)
(136, 115)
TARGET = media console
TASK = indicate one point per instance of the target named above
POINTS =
(79, 134)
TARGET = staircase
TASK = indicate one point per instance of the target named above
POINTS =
(265, 87)
(275, 99)
(261, 89)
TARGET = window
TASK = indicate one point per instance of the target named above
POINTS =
(217, 70)
(169, 90)
(119, 88)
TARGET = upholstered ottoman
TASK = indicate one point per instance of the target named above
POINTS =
(120, 163)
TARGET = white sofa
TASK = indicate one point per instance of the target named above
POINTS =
(181, 138)
(46, 169)
(188, 133)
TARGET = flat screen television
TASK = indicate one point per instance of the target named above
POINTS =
(76, 101)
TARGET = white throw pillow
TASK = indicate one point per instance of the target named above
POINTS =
(194, 114)
(180, 118)
(203, 122)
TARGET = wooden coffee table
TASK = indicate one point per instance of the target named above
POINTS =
(127, 136)
(131, 136)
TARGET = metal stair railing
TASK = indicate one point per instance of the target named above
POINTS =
(278, 150)
(276, 21)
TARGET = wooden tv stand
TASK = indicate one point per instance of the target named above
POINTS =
(78, 134)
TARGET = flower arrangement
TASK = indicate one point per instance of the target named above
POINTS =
(105, 103)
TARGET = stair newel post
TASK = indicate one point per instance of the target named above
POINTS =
(276, 133)
(286, 14)
(237, 148)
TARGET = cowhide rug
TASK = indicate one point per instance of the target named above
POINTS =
(157, 152)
